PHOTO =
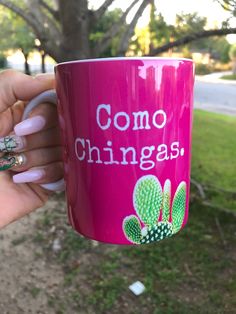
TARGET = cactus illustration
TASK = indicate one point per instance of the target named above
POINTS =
(178, 207)
(132, 228)
(149, 200)
(166, 200)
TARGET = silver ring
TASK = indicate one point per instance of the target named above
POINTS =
(58, 186)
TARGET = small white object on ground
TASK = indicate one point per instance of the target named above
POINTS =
(137, 288)
(56, 246)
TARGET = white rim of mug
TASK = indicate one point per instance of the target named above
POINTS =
(125, 59)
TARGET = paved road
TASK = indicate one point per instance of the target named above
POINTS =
(214, 94)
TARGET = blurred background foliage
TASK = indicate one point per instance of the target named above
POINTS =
(81, 29)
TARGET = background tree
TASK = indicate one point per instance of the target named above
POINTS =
(196, 31)
(187, 23)
(228, 5)
(232, 54)
(99, 29)
(160, 32)
(67, 29)
(218, 47)
(15, 34)
(64, 28)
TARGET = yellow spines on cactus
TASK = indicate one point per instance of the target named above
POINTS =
(147, 199)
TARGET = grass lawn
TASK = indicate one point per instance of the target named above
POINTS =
(194, 272)
(214, 156)
(229, 77)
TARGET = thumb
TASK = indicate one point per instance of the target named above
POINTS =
(16, 86)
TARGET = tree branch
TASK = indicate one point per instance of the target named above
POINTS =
(22, 13)
(199, 188)
(53, 12)
(228, 5)
(191, 37)
(100, 11)
(204, 200)
(37, 20)
(114, 30)
(124, 41)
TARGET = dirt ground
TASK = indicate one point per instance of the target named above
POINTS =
(24, 272)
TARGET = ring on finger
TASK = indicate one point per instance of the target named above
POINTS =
(9, 161)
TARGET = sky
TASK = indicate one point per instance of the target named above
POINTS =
(169, 8)
(209, 8)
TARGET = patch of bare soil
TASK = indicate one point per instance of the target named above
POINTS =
(27, 281)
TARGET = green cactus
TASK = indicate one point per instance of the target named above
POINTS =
(178, 207)
(149, 200)
(132, 228)
(166, 201)
(156, 233)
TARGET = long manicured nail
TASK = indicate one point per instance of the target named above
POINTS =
(11, 143)
(9, 161)
(30, 126)
(57, 186)
(29, 176)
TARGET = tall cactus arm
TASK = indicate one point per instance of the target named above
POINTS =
(166, 201)
(147, 199)
(178, 207)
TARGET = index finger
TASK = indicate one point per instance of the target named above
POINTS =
(16, 86)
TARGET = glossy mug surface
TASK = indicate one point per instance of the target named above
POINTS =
(126, 129)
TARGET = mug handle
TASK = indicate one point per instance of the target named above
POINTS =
(51, 97)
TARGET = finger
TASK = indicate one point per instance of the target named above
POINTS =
(42, 117)
(34, 158)
(16, 86)
(11, 117)
(46, 138)
(41, 175)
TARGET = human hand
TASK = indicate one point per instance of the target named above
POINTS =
(27, 160)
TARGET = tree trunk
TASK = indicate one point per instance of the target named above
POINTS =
(74, 19)
(26, 64)
(27, 67)
(43, 66)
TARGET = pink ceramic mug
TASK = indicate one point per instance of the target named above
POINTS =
(126, 131)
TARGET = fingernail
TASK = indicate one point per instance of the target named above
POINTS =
(11, 143)
(30, 126)
(57, 186)
(9, 161)
(29, 176)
